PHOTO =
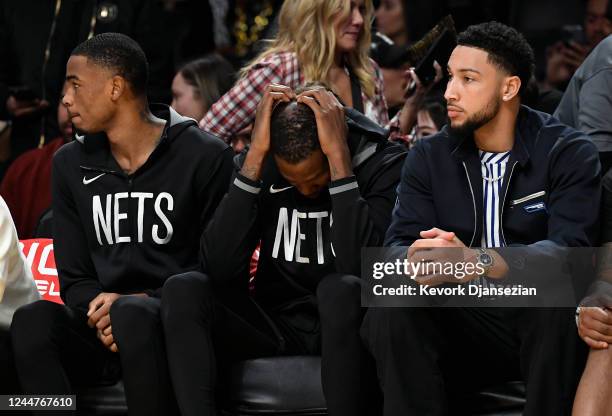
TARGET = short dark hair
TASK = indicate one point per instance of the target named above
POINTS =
(119, 53)
(435, 105)
(293, 132)
(507, 48)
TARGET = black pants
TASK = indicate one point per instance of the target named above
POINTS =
(347, 369)
(57, 353)
(427, 356)
(606, 162)
(207, 326)
(9, 384)
(8, 379)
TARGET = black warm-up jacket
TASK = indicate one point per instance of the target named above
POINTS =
(122, 233)
(302, 239)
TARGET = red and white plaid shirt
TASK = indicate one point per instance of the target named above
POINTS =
(236, 109)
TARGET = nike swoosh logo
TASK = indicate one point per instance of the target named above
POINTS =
(88, 181)
(275, 191)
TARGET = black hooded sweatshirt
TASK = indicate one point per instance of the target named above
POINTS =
(122, 233)
(302, 239)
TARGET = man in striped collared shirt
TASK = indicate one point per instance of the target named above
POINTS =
(501, 174)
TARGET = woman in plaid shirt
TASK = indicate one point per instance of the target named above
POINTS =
(326, 41)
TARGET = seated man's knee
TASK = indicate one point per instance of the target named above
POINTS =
(186, 286)
(35, 326)
(387, 324)
(339, 299)
(134, 317)
(184, 294)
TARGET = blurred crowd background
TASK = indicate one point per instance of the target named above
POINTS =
(196, 48)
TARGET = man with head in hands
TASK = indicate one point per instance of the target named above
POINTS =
(131, 197)
(316, 185)
(499, 174)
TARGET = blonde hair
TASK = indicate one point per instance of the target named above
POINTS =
(307, 29)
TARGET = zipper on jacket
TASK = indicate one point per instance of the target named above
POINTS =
(501, 217)
(474, 202)
(133, 235)
(102, 170)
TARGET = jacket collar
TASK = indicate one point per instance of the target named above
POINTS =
(364, 136)
(96, 154)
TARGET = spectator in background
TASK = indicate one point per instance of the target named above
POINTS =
(304, 51)
(242, 139)
(431, 116)
(17, 288)
(393, 66)
(199, 84)
(587, 102)
(26, 187)
(594, 322)
(406, 21)
(403, 89)
(597, 22)
(36, 39)
(391, 20)
(564, 57)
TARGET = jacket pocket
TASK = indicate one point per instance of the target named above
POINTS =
(527, 198)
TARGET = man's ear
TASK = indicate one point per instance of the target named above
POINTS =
(119, 86)
(511, 88)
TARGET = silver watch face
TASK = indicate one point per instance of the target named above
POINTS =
(485, 259)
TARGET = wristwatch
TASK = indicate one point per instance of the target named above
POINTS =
(483, 257)
(577, 316)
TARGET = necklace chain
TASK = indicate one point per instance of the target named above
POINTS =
(494, 179)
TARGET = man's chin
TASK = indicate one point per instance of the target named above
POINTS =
(86, 130)
(460, 129)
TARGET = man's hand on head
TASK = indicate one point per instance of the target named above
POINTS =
(331, 129)
(260, 136)
(330, 117)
